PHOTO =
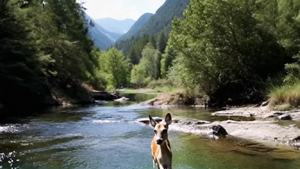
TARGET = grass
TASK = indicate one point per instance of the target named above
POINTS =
(286, 96)
(163, 86)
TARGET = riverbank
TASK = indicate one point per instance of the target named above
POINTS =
(264, 131)
(165, 100)
(265, 125)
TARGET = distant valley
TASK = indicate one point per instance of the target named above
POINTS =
(105, 32)
(117, 26)
(125, 34)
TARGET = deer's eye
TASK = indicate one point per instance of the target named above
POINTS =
(155, 131)
(164, 131)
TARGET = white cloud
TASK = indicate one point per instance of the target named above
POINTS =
(121, 9)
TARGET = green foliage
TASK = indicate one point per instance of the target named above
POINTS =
(139, 75)
(133, 47)
(161, 42)
(222, 50)
(43, 48)
(293, 71)
(282, 19)
(155, 31)
(162, 20)
(286, 95)
(163, 85)
(167, 61)
(151, 59)
(148, 68)
(114, 67)
(20, 74)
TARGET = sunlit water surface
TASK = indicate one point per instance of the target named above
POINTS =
(107, 137)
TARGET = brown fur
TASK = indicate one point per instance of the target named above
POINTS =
(161, 152)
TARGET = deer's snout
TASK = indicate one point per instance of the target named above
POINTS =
(159, 141)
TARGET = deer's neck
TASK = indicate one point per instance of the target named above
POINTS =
(165, 147)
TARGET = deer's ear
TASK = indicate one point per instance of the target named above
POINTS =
(152, 122)
(168, 119)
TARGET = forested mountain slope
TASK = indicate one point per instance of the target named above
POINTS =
(101, 38)
(137, 26)
(158, 26)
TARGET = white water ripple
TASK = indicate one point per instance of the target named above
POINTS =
(106, 121)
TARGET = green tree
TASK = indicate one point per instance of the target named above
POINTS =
(167, 61)
(221, 47)
(161, 42)
(282, 19)
(152, 58)
(115, 68)
(44, 51)
(21, 78)
(149, 67)
(139, 75)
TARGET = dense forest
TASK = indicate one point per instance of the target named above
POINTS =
(231, 51)
(45, 54)
(234, 51)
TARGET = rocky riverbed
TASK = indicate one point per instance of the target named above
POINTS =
(264, 128)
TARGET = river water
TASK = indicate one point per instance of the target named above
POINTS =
(107, 137)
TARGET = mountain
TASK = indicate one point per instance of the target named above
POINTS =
(138, 25)
(155, 30)
(102, 38)
(116, 26)
(161, 21)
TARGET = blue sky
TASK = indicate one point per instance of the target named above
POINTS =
(121, 9)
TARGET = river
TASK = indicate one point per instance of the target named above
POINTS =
(107, 137)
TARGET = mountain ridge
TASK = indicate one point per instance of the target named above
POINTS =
(163, 17)
(161, 21)
(120, 26)
(137, 26)
(101, 38)
(155, 30)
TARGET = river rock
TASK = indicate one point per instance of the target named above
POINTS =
(122, 100)
(295, 142)
(201, 122)
(265, 103)
(219, 131)
(285, 117)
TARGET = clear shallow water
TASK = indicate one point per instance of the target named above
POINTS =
(109, 138)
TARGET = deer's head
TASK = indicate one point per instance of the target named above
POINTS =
(161, 128)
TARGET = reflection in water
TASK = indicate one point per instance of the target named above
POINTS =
(108, 138)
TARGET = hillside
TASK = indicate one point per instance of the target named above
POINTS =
(163, 17)
(99, 38)
(137, 26)
(157, 25)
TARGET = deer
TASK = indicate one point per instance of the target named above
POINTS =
(160, 145)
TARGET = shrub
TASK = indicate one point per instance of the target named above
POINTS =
(286, 94)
